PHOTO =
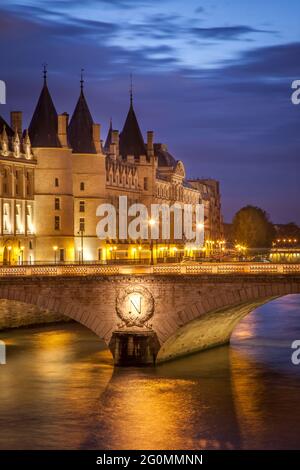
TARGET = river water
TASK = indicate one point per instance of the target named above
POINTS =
(59, 390)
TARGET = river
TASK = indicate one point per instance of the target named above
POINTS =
(59, 390)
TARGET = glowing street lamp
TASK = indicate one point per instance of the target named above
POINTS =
(22, 253)
(55, 248)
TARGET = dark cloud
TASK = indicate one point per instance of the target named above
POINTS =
(226, 32)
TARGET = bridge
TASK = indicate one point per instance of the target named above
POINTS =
(145, 313)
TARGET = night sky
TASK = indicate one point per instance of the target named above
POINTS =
(212, 78)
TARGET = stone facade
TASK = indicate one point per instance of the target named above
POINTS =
(55, 175)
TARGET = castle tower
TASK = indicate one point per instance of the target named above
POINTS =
(89, 179)
(53, 181)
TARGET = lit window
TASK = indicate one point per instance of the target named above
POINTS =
(81, 224)
(57, 222)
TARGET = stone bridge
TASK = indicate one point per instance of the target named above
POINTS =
(163, 312)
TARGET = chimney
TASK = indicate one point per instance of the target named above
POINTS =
(112, 151)
(16, 122)
(115, 141)
(96, 137)
(62, 129)
(150, 147)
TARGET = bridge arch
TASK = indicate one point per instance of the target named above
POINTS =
(46, 305)
(211, 321)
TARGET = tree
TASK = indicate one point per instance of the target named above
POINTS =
(252, 227)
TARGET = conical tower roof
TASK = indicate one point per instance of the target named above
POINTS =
(80, 130)
(131, 139)
(43, 127)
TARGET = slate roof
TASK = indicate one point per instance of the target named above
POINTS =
(108, 138)
(43, 127)
(164, 157)
(80, 130)
(131, 139)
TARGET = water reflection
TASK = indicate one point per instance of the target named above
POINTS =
(59, 390)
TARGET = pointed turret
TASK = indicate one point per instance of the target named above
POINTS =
(131, 139)
(43, 127)
(80, 130)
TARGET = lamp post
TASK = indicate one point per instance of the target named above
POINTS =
(81, 232)
(151, 223)
(22, 254)
(55, 251)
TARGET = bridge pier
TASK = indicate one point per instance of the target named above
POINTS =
(134, 348)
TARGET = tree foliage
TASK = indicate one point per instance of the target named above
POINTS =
(252, 227)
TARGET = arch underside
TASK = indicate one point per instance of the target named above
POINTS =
(18, 308)
(210, 330)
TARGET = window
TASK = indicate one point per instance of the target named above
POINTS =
(81, 224)
(5, 185)
(57, 222)
(82, 186)
(17, 182)
(145, 184)
(57, 204)
(56, 182)
(28, 186)
(18, 219)
(30, 245)
(61, 254)
(99, 254)
(81, 206)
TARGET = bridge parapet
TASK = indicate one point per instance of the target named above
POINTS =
(171, 269)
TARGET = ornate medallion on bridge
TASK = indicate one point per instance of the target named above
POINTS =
(135, 307)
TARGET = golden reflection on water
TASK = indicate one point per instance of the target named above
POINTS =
(59, 390)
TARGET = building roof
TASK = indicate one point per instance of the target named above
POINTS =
(80, 130)
(108, 138)
(43, 127)
(131, 139)
(9, 131)
(164, 157)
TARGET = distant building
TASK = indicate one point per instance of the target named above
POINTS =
(55, 175)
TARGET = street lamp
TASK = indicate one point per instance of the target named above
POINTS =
(55, 248)
(81, 232)
(22, 253)
(151, 223)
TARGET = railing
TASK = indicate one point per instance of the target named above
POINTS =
(158, 269)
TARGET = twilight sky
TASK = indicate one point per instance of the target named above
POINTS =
(212, 78)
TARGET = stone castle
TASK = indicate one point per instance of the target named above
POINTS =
(54, 175)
